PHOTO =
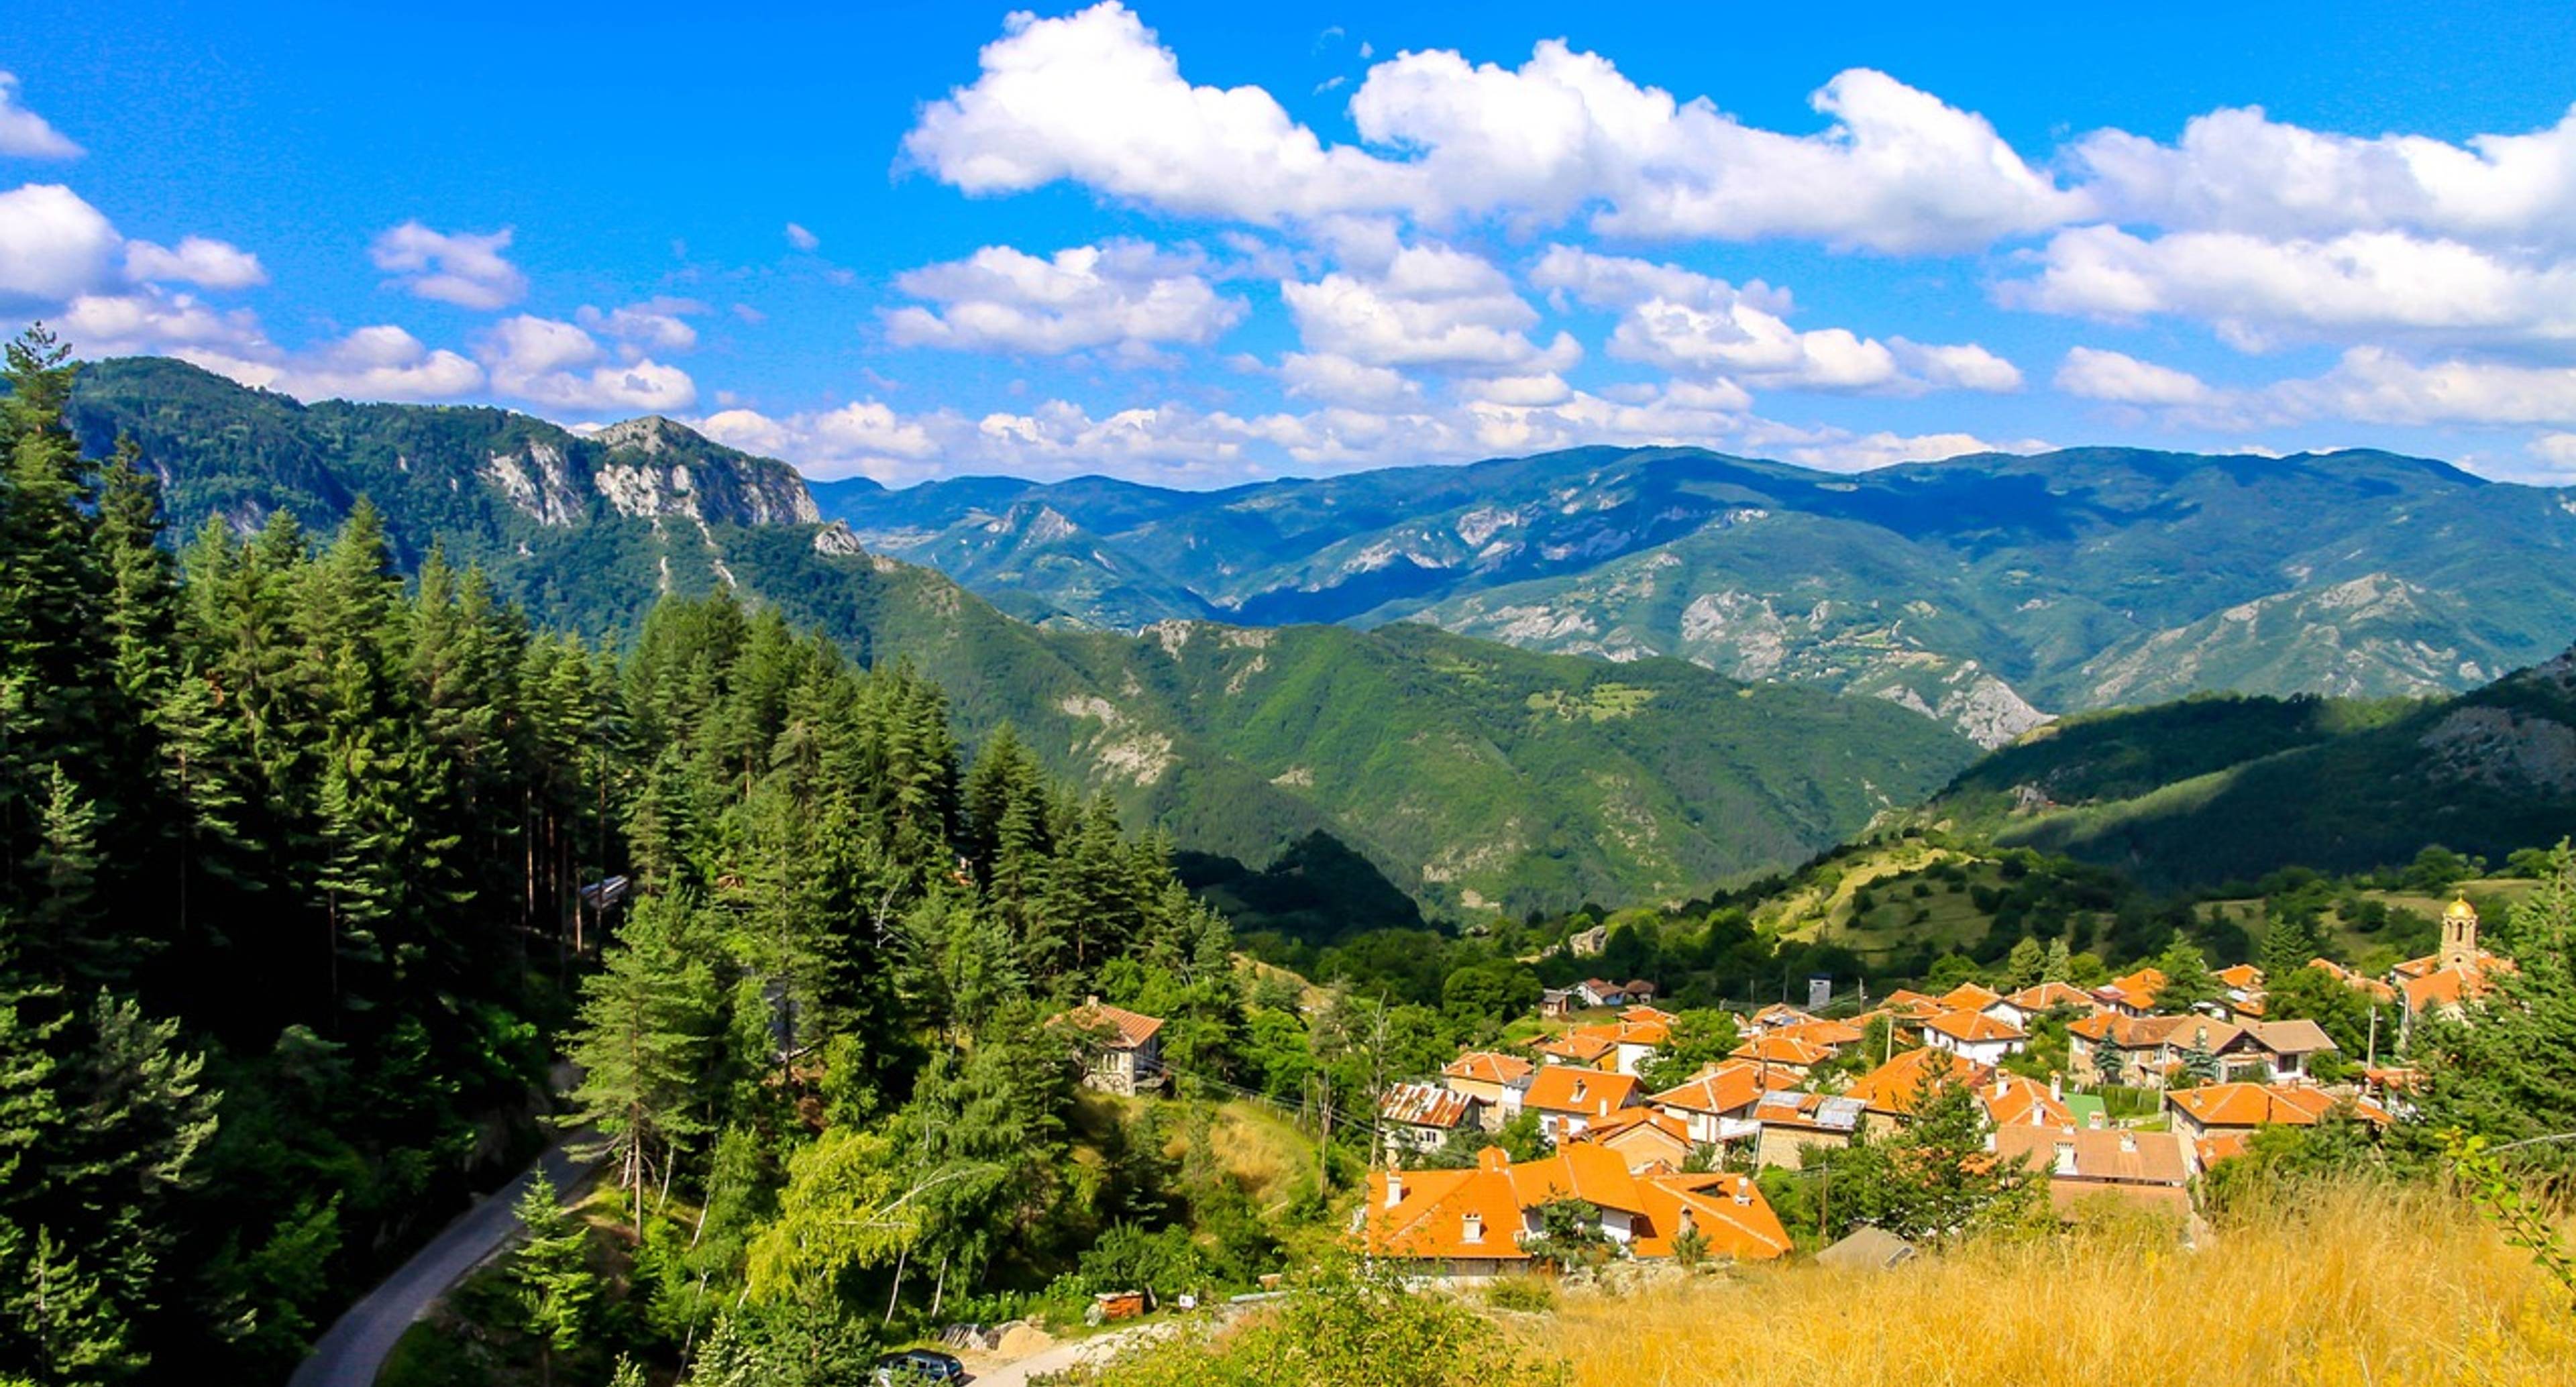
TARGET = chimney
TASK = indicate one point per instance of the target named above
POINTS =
(1091, 1002)
(1472, 1228)
(2003, 1083)
(1493, 1158)
(1394, 1188)
(1743, 1189)
(2128, 1143)
(2066, 1158)
(2057, 1087)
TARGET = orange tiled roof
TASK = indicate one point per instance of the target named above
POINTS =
(1974, 1028)
(2448, 987)
(2013, 1101)
(1773, 1047)
(1831, 1034)
(2156, 1158)
(1582, 1046)
(1725, 1088)
(2258, 1105)
(1488, 1067)
(1890, 1088)
(1908, 1003)
(1434, 1212)
(1562, 1088)
(2239, 975)
(1119, 1028)
(1642, 1012)
(2137, 989)
(1969, 996)
(1780, 1014)
(2048, 996)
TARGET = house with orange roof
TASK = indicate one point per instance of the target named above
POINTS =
(1584, 1047)
(1888, 1093)
(2134, 994)
(1123, 1053)
(1975, 1036)
(2011, 1100)
(1420, 1118)
(1717, 1105)
(1476, 1222)
(1494, 1081)
(1969, 996)
(1646, 1138)
(2115, 1047)
(2219, 1117)
(1834, 1036)
(1913, 1005)
(1781, 1051)
(2150, 1170)
(2241, 996)
(1568, 1099)
(2029, 1004)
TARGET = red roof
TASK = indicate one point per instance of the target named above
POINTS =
(1117, 1027)
(1424, 1105)
(1564, 1088)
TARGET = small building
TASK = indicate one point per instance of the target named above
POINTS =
(1646, 1138)
(1792, 1123)
(2220, 1118)
(1716, 1107)
(1782, 1051)
(1124, 1056)
(1494, 1081)
(1420, 1118)
(1975, 1036)
(1596, 992)
(2443, 983)
(2133, 994)
(2150, 1170)
(1554, 1002)
(2029, 1004)
(1569, 1099)
(1476, 1222)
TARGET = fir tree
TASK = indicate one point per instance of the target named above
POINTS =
(550, 1274)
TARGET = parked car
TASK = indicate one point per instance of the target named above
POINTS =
(918, 1365)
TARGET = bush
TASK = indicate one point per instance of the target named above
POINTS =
(1528, 1295)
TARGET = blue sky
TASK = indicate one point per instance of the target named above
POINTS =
(1198, 244)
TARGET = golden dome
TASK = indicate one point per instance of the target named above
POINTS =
(2460, 909)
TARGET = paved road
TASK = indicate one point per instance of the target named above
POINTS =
(354, 1350)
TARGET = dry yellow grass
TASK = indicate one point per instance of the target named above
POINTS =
(2366, 1286)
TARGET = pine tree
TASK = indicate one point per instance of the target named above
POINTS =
(550, 1272)
(2024, 965)
(649, 1018)
(2060, 965)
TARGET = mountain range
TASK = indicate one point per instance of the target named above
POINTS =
(1471, 773)
(1988, 592)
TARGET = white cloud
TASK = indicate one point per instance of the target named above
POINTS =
(197, 260)
(2120, 378)
(1125, 295)
(2258, 292)
(1697, 325)
(2238, 170)
(151, 320)
(2374, 385)
(53, 245)
(1093, 98)
(2557, 455)
(463, 268)
(23, 133)
(656, 324)
(557, 365)
(1338, 380)
(1428, 306)
(372, 363)
(1838, 450)
(802, 239)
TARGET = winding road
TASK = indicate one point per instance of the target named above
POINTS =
(353, 1351)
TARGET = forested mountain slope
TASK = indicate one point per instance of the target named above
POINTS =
(1470, 772)
(1981, 590)
(2210, 790)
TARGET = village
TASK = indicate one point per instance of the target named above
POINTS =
(1673, 1171)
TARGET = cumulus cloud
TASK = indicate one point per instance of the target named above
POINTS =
(2239, 170)
(802, 239)
(53, 245)
(1337, 380)
(1694, 324)
(1427, 306)
(557, 365)
(26, 135)
(1094, 98)
(2556, 453)
(463, 268)
(1126, 296)
(2375, 385)
(655, 324)
(197, 260)
(2119, 378)
(2259, 292)
(372, 363)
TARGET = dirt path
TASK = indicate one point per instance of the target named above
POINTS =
(1099, 1348)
